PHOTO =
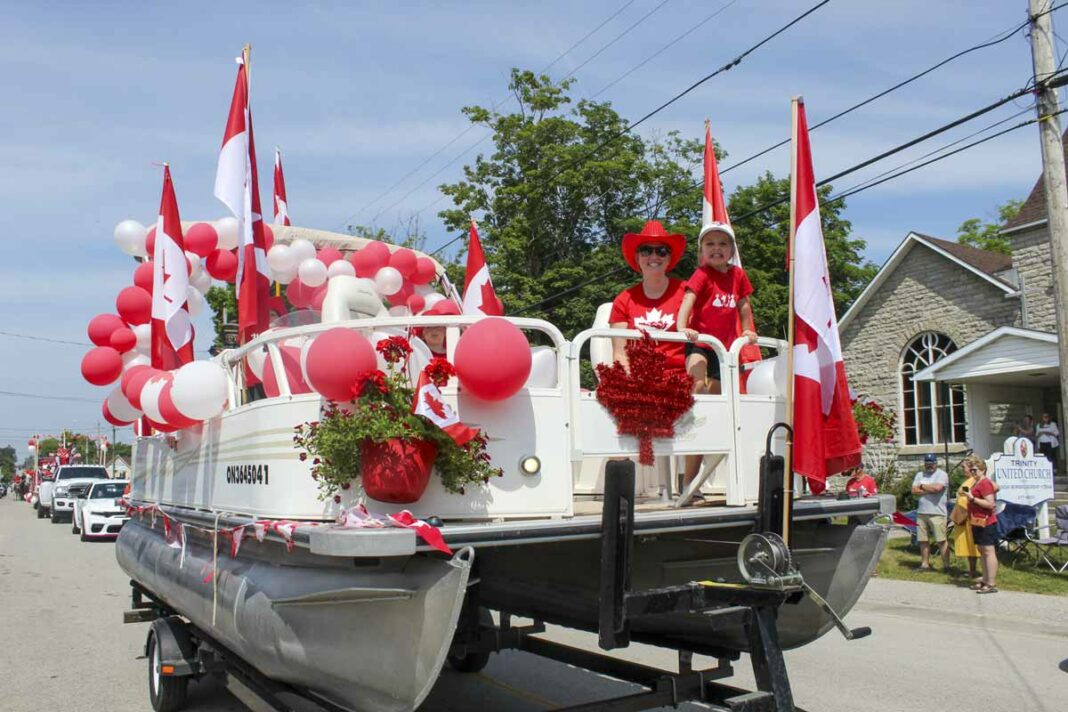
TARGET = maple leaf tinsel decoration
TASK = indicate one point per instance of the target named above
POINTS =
(647, 401)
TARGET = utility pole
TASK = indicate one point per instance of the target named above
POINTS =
(1049, 129)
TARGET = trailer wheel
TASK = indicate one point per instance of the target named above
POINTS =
(167, 694)
(473, 661)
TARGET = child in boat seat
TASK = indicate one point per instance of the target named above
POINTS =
(717, 299)
(434, 336)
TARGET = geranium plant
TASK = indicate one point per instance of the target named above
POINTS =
(873, 421)
(382, 411)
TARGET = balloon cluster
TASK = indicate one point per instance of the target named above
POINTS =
(399, 276)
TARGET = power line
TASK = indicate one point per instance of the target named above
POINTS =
(59, 398)
(467, 130)
(43, 338)
(617, 38)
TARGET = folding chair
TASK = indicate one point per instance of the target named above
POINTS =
(1052, 548)
(1015, 522)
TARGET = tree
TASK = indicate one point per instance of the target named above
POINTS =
(564, 183)
(7, 462)
(987, 235)
(223, 303)
(407, 233)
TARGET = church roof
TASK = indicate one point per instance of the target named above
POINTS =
(985, 260)
(1034, 208)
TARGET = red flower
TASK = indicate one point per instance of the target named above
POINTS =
(376, 378)
(394, 349)
(439, 370)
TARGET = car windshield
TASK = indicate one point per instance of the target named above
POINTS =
(70, 473)
(109, 490)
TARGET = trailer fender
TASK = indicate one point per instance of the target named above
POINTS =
(175, 644)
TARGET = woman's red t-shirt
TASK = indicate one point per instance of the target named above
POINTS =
(661, 314)
(980, 490)
(716, 307)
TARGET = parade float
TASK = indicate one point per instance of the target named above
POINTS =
(332, 509)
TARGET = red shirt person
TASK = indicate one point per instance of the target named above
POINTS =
(652, 304)
(861, 483)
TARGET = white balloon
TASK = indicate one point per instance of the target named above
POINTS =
(768, 378)
(194, 260)
(134, 358)
(280, 258)
(312, 272)
(340, 268)
(431, 299)
(200, 390)
(542, 367)
(424, 290)
(130, 237)
(388, 281)
(302, 250)
(143, 332)
(285, 277)
(33, 448)
(226, 229)
(150, 397)
(120, 407)
(195, 300)
(202, 282)
(398, 311)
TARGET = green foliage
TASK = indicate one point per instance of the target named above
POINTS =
(7, 462)
(407, 233)
(562, 186)
(986, 235)
(223, 302)
(382, 412)
(873, 421)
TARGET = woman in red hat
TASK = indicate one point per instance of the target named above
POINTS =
(652, 304)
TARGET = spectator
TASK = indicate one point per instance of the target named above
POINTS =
(930, 485)
(1026, 429)
(1049, 439)
(861, 483)
(963, 542)
(983, 521)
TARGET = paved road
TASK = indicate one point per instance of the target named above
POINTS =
(61, 604)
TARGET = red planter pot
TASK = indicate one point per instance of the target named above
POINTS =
(396, 471)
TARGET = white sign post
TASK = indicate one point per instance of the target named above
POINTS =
(1025, 477)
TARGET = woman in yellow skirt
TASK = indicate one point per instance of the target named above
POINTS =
(963, 542)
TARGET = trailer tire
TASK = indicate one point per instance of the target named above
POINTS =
(167, 694)
(471, 662)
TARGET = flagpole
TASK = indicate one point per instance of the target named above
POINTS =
(788, 471)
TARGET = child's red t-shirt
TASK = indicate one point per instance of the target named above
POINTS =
(716, 308)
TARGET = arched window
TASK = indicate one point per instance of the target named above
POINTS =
(933, 412)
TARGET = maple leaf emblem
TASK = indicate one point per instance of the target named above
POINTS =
(489, 304)
(436, 407)
(655, 320)
(647, 401)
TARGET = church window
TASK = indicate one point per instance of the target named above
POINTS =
(933, 413)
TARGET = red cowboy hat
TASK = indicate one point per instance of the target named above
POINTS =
(653, 231)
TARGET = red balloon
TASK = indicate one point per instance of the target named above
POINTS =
(400, 297)
(335, 359)
(370, 258)
(222, 265)
(102, 326)
(404, 261)
(425, 270)
(170, 412)
(143, 276)
(150, 242)
(122, 340)
(415, 303)
(492, 359)
(318, 294)
(111, 418)
(268, 237)
(298, 294)
(161, 427)
(134, 380)
(277, 306)
(201, 239)
(291, 365)
(134, 306)
(102, 365)
(329, 255)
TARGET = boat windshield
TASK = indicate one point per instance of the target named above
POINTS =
(297, 318)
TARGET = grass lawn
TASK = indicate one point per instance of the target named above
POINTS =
(899, 562)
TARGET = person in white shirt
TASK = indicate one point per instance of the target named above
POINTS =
(930, 486)
(1048, 437)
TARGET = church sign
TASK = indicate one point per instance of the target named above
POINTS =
(1024, 476)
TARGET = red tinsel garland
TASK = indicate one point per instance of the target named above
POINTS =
(647, 401)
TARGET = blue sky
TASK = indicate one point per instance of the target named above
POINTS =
(358, 94)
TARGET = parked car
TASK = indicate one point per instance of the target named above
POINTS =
(99, 512)
(55, 495)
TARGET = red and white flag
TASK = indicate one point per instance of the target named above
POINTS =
(172, 330)
(237, 186)
(713, 208)
(429, 404)
(281, 207)
(479, 297)
(825, 435)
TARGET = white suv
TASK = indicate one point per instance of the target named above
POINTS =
(55, 495)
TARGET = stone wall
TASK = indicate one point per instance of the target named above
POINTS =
(926, 292)
(1033, 262)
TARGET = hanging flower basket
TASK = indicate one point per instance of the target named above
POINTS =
(396, 470)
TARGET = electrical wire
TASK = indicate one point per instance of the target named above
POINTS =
(41, 397)
(43, 338)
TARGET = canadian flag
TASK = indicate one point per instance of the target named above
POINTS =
(479, 297)
(172, 330)
(237, 186)
(281, 207)
(825, 435)
(429, 404)
(713, 208)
